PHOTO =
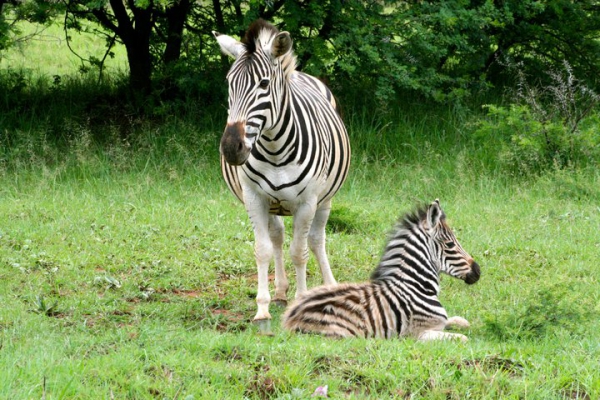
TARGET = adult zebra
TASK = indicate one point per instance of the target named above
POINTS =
(402, 297)
(285, 151)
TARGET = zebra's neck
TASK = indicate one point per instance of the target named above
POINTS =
(407, 261)
(285, 136)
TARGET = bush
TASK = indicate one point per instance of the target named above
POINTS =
(552, 125)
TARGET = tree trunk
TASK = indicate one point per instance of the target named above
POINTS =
(136, 38)
(140, 66)
(138, 50)
(176, 17)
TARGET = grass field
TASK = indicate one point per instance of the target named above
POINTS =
(45, 51)
(125, 279)
(127, 269)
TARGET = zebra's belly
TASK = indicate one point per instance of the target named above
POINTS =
(278, 208)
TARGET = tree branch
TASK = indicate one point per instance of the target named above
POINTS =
(125, 25)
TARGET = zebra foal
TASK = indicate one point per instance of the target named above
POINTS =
(402, 297)
(284, 152)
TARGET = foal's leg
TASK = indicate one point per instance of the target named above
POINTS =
(440, 335)
(457, 322)
(437, 332)
(316, 242)
(277, 234)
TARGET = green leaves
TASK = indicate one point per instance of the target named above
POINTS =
(545, 126)
(443, 50)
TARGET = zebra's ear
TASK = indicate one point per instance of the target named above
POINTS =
(229, 46)
(434, 214)
(281, 44)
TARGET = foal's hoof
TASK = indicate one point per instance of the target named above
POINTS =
(264, 327)
(280, 302)
(457, 322)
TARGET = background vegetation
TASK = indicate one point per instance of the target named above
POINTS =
(126, 267)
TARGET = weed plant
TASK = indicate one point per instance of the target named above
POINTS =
(551, 124)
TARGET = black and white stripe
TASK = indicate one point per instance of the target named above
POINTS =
(402, 297)
(285, 151)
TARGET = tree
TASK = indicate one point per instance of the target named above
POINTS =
(440, 49)
(134, 23)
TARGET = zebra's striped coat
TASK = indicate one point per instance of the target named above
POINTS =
(285, 151)
(402, 297)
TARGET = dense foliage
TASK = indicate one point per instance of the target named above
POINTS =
(442, 49)
(544, 126)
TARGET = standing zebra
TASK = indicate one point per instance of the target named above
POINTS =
(285, 151)
(402, 297)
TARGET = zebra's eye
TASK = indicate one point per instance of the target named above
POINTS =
(263, 83)
(450, 245)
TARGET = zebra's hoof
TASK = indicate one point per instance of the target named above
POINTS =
(264, 327)
(280, 302)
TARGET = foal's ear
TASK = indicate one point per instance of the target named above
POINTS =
(434, 214)
(281, 44)
(229, 46)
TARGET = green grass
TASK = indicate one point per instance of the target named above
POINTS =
(127, 268)
(46, 51)
(132, 276)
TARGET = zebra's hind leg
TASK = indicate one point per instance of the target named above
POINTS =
(277, 234)
(316, 242)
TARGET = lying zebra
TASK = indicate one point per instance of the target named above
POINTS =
(402, 297)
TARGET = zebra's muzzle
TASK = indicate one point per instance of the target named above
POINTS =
(474, 275)
(233, 144)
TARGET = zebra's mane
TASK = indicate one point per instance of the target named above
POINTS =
(258, 34)
(410, 219)
(402, 229)
(254, 32)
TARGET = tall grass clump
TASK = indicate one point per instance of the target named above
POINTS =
(546, 125)
(82, 122)
(405, 128)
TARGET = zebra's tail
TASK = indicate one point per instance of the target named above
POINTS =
(337, 311)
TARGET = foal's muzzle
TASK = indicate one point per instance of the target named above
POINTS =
(474, 275)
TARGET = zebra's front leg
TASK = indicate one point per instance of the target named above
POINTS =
(316, 242)
(439, 334)
(263, 252)
(303, 218)
(277, 234)
(457, 322)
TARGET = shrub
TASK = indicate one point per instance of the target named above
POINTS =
(551, 125)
